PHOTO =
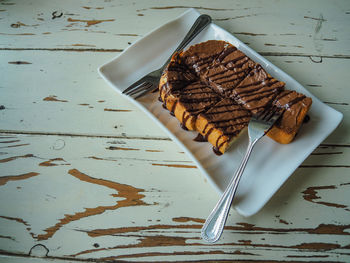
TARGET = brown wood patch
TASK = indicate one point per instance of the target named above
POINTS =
(90, 22)
(131, 195)
(5, 179)
(53, 98)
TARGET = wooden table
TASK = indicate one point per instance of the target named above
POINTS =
(86, 176)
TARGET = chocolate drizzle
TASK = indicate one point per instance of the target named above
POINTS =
(183, 126)
(200, 138)
(306, 119)
(217, 151)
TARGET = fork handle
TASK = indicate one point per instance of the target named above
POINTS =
(201, 22)
(214, 225)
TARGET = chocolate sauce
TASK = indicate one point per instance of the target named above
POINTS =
(287, 98)
(200, 138)
(207, 134)
(183, 126)
(160, 99)
(184, 119)
(172, 110)
(295, 101)
(216, 151)
(306, 119)
(225, 53)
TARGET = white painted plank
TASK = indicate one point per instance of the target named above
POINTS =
(61, 92)
(311, 28)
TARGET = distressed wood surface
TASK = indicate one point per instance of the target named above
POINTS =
(312, 28)
(86, 176)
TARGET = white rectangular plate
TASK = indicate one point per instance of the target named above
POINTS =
(270, 164)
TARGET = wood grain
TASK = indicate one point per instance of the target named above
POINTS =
(85, 176)
(310, 29)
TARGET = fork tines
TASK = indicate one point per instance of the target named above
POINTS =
(140, 88)
(136, 87)
(270, 115)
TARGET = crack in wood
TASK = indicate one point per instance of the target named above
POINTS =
(90, 22)
(249, 34)
(154, 151)
(175, 165)
(64, 258)
(116, 110)
(83, 135)
(180, 253)
(16, 145)
(186, 219)
(334, 145)
(5, 179)
(17, 34)
(19, 62)
(235, 17)
(336, 103)
(329, 153)
(18, 220)
(171, 241)
(316, 18)
(89, 7)
(53, 98)
(7, 237)
(245, 228)
(310, 194)
(263, 53)
(64, 49)
(323, 166)
(9, 159)
(10, 141)
(307, 256)
(101, 159)
(51, 162)
(121, 148)
(185, 7)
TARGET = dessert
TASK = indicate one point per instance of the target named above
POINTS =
(214, 88)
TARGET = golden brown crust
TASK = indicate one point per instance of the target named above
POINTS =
(215, 136)
(223, 123)
(168, 99)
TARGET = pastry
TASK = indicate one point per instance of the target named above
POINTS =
(214, 88)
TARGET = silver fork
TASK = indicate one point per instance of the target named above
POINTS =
(257, 128)
(151, 80)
